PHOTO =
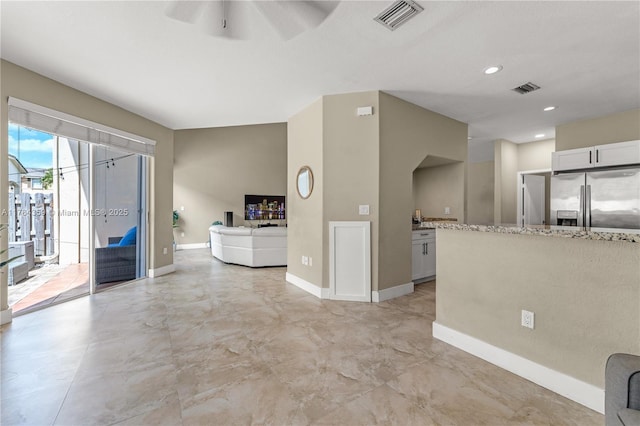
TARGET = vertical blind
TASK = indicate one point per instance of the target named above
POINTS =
(51, 121)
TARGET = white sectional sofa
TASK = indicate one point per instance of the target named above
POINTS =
(253, 247)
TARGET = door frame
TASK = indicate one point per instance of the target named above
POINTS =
(142, 220)
(519, 186)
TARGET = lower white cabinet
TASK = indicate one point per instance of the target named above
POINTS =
(423, 254)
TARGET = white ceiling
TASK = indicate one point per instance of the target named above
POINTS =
(584, 55)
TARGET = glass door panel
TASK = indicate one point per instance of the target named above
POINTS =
(118, 216)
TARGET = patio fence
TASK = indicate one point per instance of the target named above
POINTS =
(31, 219)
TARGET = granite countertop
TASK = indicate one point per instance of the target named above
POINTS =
(419, 226)
(603, 234)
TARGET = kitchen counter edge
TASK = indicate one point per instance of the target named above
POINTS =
(601, 234)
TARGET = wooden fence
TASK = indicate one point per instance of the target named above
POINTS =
(31, 219)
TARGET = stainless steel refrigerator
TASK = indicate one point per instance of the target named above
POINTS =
(599, 199)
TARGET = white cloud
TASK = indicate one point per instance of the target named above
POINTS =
(31, 145)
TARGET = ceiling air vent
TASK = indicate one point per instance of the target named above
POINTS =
(398, 13)
(526, 88)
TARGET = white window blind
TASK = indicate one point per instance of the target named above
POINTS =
(48, 120)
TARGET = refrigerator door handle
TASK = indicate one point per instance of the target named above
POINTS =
(587, 207)
(581, 204)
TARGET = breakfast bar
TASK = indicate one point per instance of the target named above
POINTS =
(547, 303)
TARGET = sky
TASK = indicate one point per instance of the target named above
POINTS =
(35, 149)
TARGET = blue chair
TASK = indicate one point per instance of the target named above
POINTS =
(117, 261)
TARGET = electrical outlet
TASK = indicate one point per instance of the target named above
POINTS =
(164, 250)
(447, 210)
(363, 209)
(527, 319)
(182, 234)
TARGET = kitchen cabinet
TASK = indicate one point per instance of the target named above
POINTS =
(613, 154)
(618, 154)
(423, 254)
(572, 159)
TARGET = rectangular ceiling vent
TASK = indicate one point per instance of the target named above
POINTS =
(526, 88)
(398, 13)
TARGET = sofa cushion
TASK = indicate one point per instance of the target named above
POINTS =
(272, 231)
(216, 228)
(129, 239)
(634, 391)
(629, 417)
(235, 231)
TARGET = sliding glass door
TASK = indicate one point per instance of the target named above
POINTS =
(118, 216)
(82, 213)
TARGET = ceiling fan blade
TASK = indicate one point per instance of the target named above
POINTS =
(311, 13)
(184, 10)
(290, 18)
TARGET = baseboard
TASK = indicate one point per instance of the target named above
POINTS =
(163, 270)
(320, 293)
(191, 246)
(581, 392)
(6, 316)
(392, 293)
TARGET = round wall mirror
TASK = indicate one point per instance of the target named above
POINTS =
(304, 182)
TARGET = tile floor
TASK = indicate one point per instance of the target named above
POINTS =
(216, 344)
(69, 282)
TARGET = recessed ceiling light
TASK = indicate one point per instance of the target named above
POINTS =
(492, 69)
(549, 108)
(540, 135)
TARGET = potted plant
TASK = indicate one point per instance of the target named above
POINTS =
(176, 217)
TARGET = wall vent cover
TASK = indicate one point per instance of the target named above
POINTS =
(398, 13)
(526, 88)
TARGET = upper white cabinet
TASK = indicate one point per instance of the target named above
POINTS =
(618, 154)
(572, 159)
(613, 154)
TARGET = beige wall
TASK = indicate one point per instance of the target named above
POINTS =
(408, 133)
(505, 183)
(305, 217)
(585, 295)
(620, 127)
(350, 160)
(435, 188)
(365, 160)
(535, 155)
(492, 194)
(214, 168)
(23, 84)
(480, 191)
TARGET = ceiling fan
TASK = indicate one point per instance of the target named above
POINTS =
(232, 19)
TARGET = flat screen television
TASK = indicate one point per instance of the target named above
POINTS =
(264, 207)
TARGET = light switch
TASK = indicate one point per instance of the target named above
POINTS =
(363, 209)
